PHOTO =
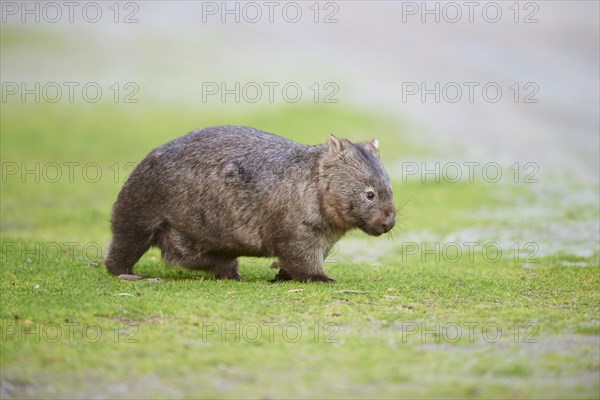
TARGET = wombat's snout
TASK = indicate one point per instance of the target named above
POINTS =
(389, 224)
(381, 224)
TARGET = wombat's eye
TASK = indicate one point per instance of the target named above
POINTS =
(370, 195)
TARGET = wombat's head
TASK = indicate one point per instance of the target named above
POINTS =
(355, 189)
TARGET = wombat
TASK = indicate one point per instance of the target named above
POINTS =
(219, 193)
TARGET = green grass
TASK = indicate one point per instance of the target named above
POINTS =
(393, 326)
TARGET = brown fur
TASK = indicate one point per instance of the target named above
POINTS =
(219, 193)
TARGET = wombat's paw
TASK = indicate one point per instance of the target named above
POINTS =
(281, 276)
(319, 278)
(229, 275)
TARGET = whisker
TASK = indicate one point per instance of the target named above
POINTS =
(406, 201)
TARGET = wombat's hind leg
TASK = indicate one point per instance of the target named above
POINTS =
(303, 269)
(282, 276)
(123, 253)
(227, 270)
(224, 267)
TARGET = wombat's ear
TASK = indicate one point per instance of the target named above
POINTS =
(336, 145)
(373, 147)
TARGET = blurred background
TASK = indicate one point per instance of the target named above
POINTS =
(436, 82)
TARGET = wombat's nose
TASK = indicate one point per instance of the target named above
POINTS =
(389, 224)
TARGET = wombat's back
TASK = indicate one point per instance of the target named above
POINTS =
(221, 143)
